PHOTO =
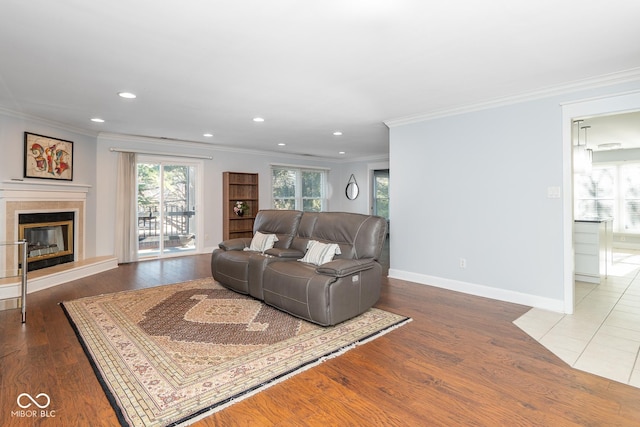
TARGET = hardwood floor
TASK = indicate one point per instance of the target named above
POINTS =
(460, 361)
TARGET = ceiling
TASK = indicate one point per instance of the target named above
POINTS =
(307, 68)
(602, 131)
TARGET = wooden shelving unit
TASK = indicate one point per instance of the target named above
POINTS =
(238, 186)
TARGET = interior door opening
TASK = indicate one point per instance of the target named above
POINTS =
(615, 104)
(381, 193)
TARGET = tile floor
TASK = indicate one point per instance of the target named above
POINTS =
(603, 335)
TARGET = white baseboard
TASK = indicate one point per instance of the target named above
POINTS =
(53, 276)
(480, 290)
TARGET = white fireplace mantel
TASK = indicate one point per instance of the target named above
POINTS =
(13, 188)
(19, 196)
(39, 195)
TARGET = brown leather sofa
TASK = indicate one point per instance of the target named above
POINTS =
(325, 294)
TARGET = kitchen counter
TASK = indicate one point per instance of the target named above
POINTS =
(592, 243)
(593, 219)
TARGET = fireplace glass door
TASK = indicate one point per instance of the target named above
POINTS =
(49, 236)
(166, 208)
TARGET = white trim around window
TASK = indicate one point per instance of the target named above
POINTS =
(288, 189)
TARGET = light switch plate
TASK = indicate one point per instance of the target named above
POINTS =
(553, 192)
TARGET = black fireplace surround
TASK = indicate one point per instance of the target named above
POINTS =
(37, 263)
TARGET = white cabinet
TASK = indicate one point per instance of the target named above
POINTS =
(592, 243)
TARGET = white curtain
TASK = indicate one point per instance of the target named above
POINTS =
(126, 209)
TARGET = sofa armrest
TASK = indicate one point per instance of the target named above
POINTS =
(284, 253)
(237, 244)
(345, 267)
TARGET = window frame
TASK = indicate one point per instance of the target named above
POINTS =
(620, 214)
(298, 198)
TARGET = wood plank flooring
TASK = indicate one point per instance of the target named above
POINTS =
(460, 362)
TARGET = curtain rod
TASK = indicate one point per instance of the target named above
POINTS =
(159, 153)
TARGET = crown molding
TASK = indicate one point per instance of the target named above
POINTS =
(51, 123)
(171, 142)
(574, 86)
(208, 148)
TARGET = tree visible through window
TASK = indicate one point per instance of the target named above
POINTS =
(381, 193)
(630, 190)
(302, 189)
(610, 191)
(595, 193)
(166, 207)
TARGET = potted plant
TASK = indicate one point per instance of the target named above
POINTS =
(240, 208)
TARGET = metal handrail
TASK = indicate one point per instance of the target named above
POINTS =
(24, 269)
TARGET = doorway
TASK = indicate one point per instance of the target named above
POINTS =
(379, 196)
(167, 200)
(571, 111)
(381, 193)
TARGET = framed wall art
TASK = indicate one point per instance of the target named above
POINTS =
(47, 158)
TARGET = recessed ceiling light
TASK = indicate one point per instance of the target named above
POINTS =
(281, 144)
(337, 133)
(258, 119)
(127, 95)
(97, 120)
(341, 152)
(208, 135)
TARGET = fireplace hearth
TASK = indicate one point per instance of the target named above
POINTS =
(21, 197)
(49, 237)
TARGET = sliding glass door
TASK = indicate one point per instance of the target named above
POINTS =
(166, 207)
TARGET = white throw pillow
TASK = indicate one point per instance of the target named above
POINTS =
(261, 242)
(320, 253)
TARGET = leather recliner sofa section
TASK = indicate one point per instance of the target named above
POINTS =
(230, 262)
(325, 294)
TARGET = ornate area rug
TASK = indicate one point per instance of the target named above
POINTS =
(173, 354)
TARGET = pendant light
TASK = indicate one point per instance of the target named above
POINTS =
(582, 155)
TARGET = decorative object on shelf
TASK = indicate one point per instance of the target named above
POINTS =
(582, 155)
(352, 189)
(240, 208)
(48, 158)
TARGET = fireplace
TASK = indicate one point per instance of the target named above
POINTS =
(49, 237)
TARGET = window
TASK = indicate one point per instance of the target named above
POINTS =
(611, 191)
(630, 191)
(595, 193)
(301, 189)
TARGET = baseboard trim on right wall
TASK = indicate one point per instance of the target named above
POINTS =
(480, 290)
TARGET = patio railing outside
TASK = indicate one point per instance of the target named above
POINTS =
(176, 227)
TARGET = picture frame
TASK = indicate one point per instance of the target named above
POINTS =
(46, 157)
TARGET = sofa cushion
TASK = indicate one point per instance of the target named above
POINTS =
(359, 236)
(231, 268)
(261, 242)
(320, 253)
(230, 262)
(283, 224)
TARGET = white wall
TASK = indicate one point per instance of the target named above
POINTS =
(474, 186)
(363, 173)
(95, 165)
(223, 160)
